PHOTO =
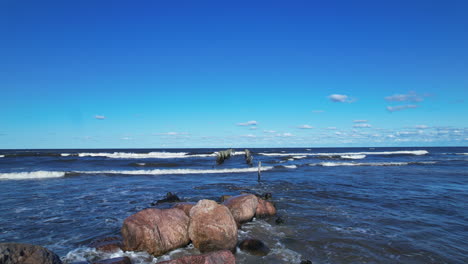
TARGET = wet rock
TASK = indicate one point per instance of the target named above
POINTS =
(108, 244)
(155, 231)
(186, 207)
(224, 198)
(254, 247)
(266, 196)
(265, 208)
(242, 207)
(216, 257)
(170, 198)
(17, 253)
(306, 262)
(212, 227)
(279, 220)
(122, 260)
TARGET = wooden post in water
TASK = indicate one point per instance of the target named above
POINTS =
(259, 170)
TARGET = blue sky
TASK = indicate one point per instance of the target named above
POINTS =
(149, 74)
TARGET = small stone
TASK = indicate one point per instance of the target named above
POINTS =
(279, 220)
(122, 260)
(216, 257)
(170, 198)
(108, 244)
(254, 247)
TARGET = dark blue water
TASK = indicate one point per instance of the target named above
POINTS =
(340, 205)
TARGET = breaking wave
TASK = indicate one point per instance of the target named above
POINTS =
(335, 164)
(31, 175)
(353, 156)
(175, 171)
(347, 154)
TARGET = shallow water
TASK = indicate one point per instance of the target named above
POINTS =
(360, 205)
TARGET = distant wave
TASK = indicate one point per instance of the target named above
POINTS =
(466, 154)
(353, 156)
(1, 156)
(402, 152)
(58, 174)
(290, 166)
(175, 171)
(150, 155)
(335, 164)
(32, 175)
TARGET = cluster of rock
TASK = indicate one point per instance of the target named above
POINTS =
(210, 226)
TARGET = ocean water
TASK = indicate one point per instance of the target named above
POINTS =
(339, 205)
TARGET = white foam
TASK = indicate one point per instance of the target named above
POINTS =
(299, 157)
(461, 154)
(402, 152)
(1, 156)
(129, 155)
(32, 175)
(290, 166)
(335, 164)
(176, 171)
(353, 156)
(65, 154)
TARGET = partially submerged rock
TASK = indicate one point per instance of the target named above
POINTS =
(265, 208)
(121, 260)
(216, 257)
(242, 207)
(17, 253)
(254, 247)
(185, 206)
(155, 231)
(107, 244)
(170, 198)
(212, 227)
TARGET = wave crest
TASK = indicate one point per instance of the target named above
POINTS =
(31, 175)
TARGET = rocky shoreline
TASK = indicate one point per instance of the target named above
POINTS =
(210, 226)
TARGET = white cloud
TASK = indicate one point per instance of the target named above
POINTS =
(284, 135)
(253, 128)
(360, 121)
(339, 98)
(249, 136)
(400, 107)
(125, 138)
(248, 123)
(172, 133)
(305, 127)
(421, 126)
(100, 117)
(411, 97)
(362, 125)
(331, 128)
(269, 131)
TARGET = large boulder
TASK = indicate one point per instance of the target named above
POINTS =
(242, 207)
(212, 227)
(216, 257)
(265, 208)
(155, 231)
(17, 253)
(185, 206)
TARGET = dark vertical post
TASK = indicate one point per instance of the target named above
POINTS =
(259, 170)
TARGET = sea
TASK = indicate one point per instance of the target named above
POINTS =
(337, 205)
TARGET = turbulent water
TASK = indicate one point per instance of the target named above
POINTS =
(339, 205)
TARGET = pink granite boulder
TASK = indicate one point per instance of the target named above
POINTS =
(212, 227)
(242, 207)
(155, 231)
